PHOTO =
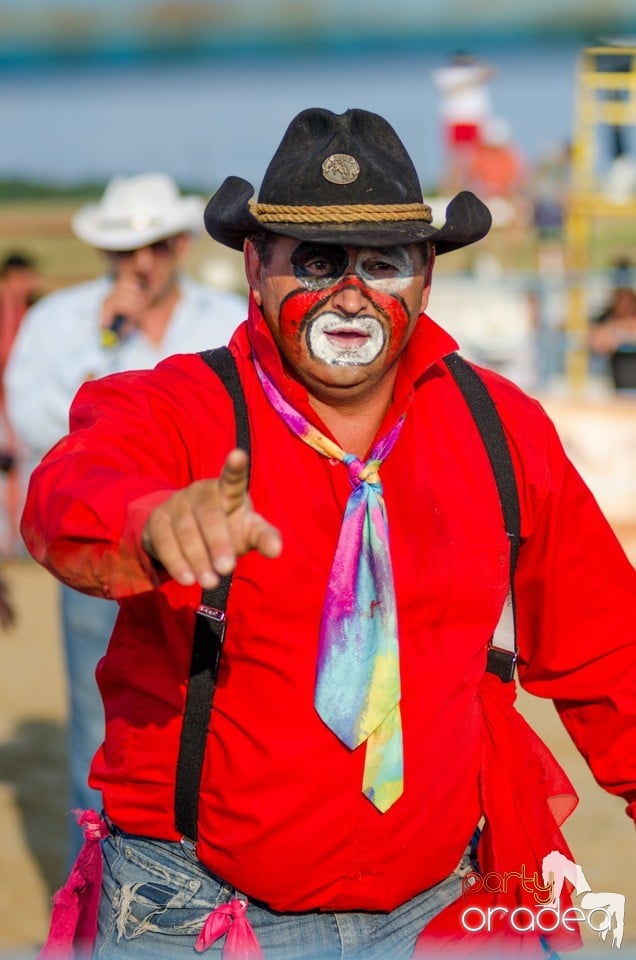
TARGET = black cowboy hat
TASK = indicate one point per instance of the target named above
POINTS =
(341, 178)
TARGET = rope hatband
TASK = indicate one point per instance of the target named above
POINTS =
(340, 213)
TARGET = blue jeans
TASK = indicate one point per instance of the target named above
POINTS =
(87, 623)
(156, 897)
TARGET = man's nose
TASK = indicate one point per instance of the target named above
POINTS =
(143, 258)
(350, 296)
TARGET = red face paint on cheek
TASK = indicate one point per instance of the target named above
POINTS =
(299, 304)
(399, 320)
(293, 311)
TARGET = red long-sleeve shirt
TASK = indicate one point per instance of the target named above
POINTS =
(281, 815)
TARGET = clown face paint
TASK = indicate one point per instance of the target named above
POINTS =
(318, 266)
(340, 316)
(334, 340)
(334, 337)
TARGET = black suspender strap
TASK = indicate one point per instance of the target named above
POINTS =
(208, 637)
(501, 660)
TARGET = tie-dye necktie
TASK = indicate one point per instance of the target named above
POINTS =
(358, 675)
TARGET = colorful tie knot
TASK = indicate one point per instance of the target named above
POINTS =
(360, 472)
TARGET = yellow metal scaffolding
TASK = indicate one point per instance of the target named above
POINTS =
(605, 97)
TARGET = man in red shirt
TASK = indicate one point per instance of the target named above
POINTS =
(362, 723)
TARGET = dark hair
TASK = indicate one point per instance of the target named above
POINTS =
(263, 243)
(16, 261)
(425, 247)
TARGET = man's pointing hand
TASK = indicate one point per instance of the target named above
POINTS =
(198, 532)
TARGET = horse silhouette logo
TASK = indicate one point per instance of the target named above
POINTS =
(557, 868)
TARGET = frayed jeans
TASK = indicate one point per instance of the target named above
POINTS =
(156, 897)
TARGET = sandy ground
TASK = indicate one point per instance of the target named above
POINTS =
(33, 781)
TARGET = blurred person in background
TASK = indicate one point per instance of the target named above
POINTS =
(465, 106)
(142, 309)
(549, 190)
(613, 330)
(393, 564)
(497, 172)
(20, 287)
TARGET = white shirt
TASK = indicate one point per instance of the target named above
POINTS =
(59, 346)
(465, 96)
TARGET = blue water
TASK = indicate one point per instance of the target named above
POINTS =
(202, 121)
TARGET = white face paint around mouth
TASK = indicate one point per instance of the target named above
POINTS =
(346, 342)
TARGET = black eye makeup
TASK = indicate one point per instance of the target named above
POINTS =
(319, 264)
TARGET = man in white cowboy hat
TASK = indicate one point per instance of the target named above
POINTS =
(298, 761)
(140, 311)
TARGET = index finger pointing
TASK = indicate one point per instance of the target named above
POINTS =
(233, 479)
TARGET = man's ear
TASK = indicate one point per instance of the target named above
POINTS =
(253, 269)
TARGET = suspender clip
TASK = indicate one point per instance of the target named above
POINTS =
(189, 845)
(501, 662)
(211, 613)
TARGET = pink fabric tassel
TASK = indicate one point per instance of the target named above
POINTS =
(230, 919)
(73, 926)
